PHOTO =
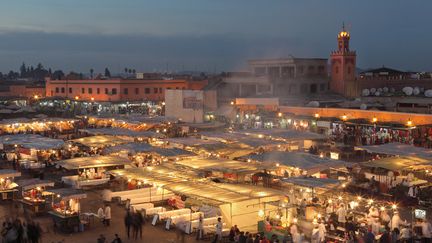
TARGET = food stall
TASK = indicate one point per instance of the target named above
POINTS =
(7, 184)
(30, 149)
(96, 143)
(145, 154)
(65, 204)
(291, 164)
(32, 194)
(38, 125)
(90, 171)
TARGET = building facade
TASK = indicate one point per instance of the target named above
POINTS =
(343, 67)
(293, 76)
(118, 89)
(190, 105)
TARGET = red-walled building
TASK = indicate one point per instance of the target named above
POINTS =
(118, 89)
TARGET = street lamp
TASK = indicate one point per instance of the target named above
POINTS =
(374, 119)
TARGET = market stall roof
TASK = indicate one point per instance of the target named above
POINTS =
(157, 175)
(285, 134)
(135, 148)
(35, 120)
(305, 161)
(137, 118)
(219, 193)
(100, 141)
(116, 131)
(311, 182)
(399, 149)
(66, 193)
(398, 163)
(92, 162)
(191, 141)
(223, 165)
(28, 184)
(32, 141)
(227, 137)
(9, 173)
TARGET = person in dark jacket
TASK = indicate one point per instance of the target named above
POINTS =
(128, 222)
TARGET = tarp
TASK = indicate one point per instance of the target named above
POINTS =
(115, 131)
(231, 137)
(32, 141)
(311, 182)
(398, 163)
(28, 184)
(9, 173)
(222, 165)
(66, 193)
(285, 134)
(399, 149)
(93, 162)
(135, 148)
(101, 141)
(305, 161)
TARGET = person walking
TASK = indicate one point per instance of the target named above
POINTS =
(200, 229)
(107, 214)
(101, 215)
(116, 239)
(101, 239)
(128, 222)
(219, 227)
(138, 221)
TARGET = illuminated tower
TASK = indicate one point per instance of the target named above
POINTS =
(343, 67)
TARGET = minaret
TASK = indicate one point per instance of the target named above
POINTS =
(343, 66)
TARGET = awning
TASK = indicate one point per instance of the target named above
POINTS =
(399, 149)
(398, 163)
(32, 141)
(101, 141)
(311, 182)
(115, 131)
(9, 173)
(93, 162)
(28, 184)
(66, 193)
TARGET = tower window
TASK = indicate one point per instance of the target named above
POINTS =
(136, 90)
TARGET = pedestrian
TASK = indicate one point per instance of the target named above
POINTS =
(116, 239)
(200, 229)
(219, 227)
(101, 215)
(101, 239)
(137, 221)
(128, 222)
(426, 231)
(107, 215)
(242, 237)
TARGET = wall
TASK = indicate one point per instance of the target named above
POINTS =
(178, 106)
(137, 89)
(382, 116)
(28, 92)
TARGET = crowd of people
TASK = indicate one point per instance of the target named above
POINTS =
(17, 231)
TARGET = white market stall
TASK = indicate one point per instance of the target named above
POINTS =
(90, 171)
(7, 184)
(29, 147)
(66, 208)
(32, 194)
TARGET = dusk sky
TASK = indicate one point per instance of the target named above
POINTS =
(209, 35)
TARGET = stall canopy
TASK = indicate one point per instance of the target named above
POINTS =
(135, 148)
(284, 134)
(116, 131)
(158, 176)
(399, 149)
(222, 165)
(311, 182)
(305, 161)
(9, 173)
(28, 184)
(66, 193)
(399, 163)
(230, 137)
(32, 141)
(93, 162)
(101, 141)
